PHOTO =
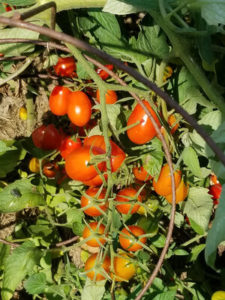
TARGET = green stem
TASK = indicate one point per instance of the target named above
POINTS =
(195, 239)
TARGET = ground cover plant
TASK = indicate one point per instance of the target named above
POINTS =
(112, 149)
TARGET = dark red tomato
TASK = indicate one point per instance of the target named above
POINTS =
(58, 101)
(127, 238)
(95, 202)
(78, 165)
(79, 108)
(128, 195)
(65, 67)
(50, 169)
(215, 190)
(103, 74)
(69, 144)
(47, 137)
(144, 131)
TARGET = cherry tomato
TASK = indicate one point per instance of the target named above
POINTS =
(127, 238)
(97, 199)
(213, 179)
(215, 190)
(96, 181)
(94, 229)
(110, 97)
(79, 108)
(124, 269)
(23, 113)
(218, 295)
(78, 165)
(34, 165)
(126, 195)
(65, 66)
(117, 154)
(144, 131)
(103, 74)
(50, 169)
(98, 273)
(181, 193)
(58, 101)
(46, 137)
(141, 174)
(8, 7)
(163, 186)
(172, 121)
(69, 144)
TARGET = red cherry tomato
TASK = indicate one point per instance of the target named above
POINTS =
(79, 108)
(65, 66)
(94, 201)
(58, 101)
(127, 195)
(8, 7)
(144, 131)
(127, 240)
(50, 169)
(141, 174)
(215, 190)
(110, 97)
(47, 137)
(69, 144)
(78, 165)
(103, 74)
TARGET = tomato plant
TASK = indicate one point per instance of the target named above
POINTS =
(58, 100)
(141, 174)
(66, 66)
(124, 269)
(127, 240)
(93, 229)
(215, 190)
(50, 169)
(181, 193)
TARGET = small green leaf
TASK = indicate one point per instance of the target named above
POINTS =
(35, 284)
(190, 159)
(196, 251)
(181, 252)
(119, 8)
(93, 290)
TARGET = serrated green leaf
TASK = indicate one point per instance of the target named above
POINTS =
(19, 195)
(169, 295)
(190, 159)
(213, 119)
(119, 8)
(198, 207)
(81, 72)
(93, 290)
(113, 111)
(17, 266)
(4, 253)
(213, 13)
(35, 284)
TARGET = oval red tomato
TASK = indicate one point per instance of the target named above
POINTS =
(58, 101)
(68, 145)
(46, 137)
(144, 131)
(65, 66)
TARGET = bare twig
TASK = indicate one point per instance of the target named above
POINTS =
(12, 58)
(8, 243)
(73, 239)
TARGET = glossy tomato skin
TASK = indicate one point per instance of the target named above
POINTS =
(127, 240)
(93, 192)
(215, 190)
(91, 262)
(172, 121)
(103, 74)
(58, 101)
(124, 269)
(163, 186)
(46, 137)
(141, 174)
(213, 179)
(78, 165)
(68, 145)
(95, 228)
(65, 67)
(110, 97)
(218, 295)
(181, 193)
(123, 196)
(144, 131)
(34, 165)
(50, 169)
(79, 108)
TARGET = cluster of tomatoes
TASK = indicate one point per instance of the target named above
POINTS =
(86, 161)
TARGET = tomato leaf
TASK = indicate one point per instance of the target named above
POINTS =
(119, 8)
(93, 290)
(213, 119)
(190, 159)
(198, 208)
(17, 266)
(19, 195)
(36, 284)
(169, 295)
(213, 12)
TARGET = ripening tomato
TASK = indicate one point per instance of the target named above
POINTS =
(102, 73)
(69, 144)
(34, 165)
(96, 181)
(218, 295)
(65, 66)
(117, 154)
(96, 198)
(163, 186)
(144, 131)
(110, 97)
(181, 193)
(78, 165)
(213, 179)
(141, 174)
(96, 230)
(129, 195)
(79, 108)
(99, 267)
(127, 238)
(58, 101)
(215, 190)
(50, 169)
(168, 72)
(124, 269)
(46, 137)
(172, 121)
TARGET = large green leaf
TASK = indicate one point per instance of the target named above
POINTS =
(213, 13)
(36, 284)
(93, 290)
(17, 266)
(119, 8)
(19, 195)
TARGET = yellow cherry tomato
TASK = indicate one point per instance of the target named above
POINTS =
(23, 113)
(219, 295)
(34, 165)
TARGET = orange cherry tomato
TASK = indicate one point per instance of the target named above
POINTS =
(213, 179)
(99, 267)
(141, 174)
(96, 181)
(124, 269)
(127, 238)
(110, 97)
(94, 228)
(163, 186)
(58, 101)
(68, 145)
(50, 169)
(172, 121)
(79, 108)
(102, 73)
(78, 165)
(144, 131)
(98, 201)
(181, 193)
(126, 195)
(65, 66)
